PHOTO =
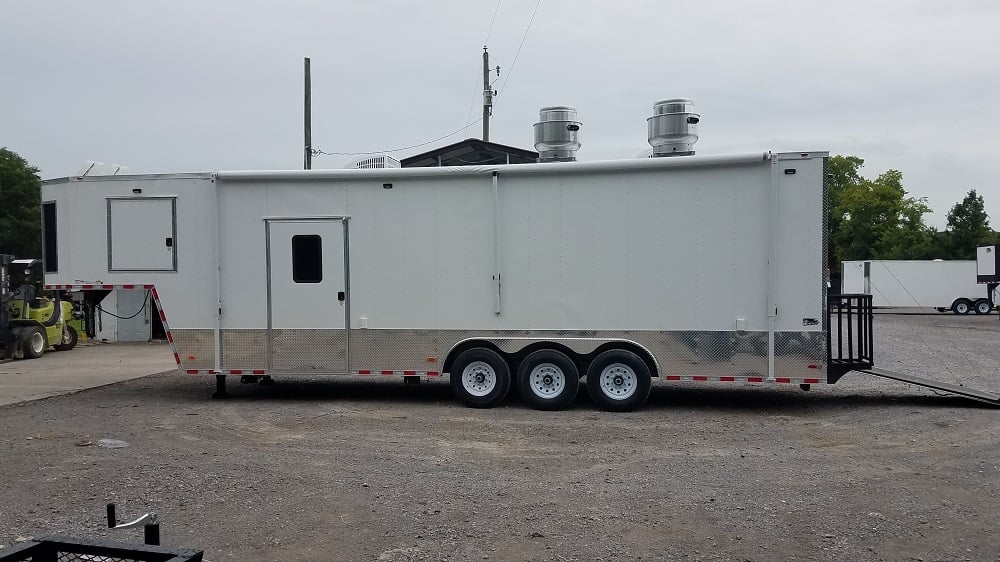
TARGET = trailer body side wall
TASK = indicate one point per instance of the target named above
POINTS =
(694, 261)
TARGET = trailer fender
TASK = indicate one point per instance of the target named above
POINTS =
(582, 350)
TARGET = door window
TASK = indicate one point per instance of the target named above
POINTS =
(307, 258)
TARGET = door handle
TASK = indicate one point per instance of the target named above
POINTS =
(169, 241)
(341, 296)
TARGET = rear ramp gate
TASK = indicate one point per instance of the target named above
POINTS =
(850, 348)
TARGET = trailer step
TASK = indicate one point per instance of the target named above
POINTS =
(980, 395)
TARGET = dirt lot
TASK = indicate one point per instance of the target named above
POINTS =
(319, 469)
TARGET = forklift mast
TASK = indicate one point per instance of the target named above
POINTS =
(6, 335)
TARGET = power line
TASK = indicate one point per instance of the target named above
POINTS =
(518, 53)
(476, 91)
(468, 121)
(490, 32)
(319, 152)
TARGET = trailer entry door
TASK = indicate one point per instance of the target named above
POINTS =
(307, 296)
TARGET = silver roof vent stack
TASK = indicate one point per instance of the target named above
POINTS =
(557, 134)
(673, 128)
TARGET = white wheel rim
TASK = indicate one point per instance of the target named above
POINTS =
(37, 343)
(962, 307)
(547, 380)
(984, 307)
(619, 381)
(66, 337)
(479, 378)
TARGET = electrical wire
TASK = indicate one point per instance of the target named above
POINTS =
(318, 152)
(468, 120)
(475, 91)
(492, 21)
(137, 313)
(475, 83)
(941, 330)
(518, 53)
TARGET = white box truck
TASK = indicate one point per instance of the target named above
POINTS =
(938, 284)
(695, 268)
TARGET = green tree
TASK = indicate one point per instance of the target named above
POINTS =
(20, 206)
(842, 173)
(968, 227)
(874, 219)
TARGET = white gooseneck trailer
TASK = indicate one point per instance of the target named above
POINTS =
(702, 268)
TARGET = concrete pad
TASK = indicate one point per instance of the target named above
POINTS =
(87, 366)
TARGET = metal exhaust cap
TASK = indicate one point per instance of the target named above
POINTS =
(557, 134)
(673, 128)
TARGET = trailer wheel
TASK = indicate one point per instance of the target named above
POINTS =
(480, 378)
(34, 342)
(618, 380)
(548, 380)
(982, 306)
(69, 339)
(961, 306)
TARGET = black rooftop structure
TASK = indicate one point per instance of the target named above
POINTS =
(471, 152)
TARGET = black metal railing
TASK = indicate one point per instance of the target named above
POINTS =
(57, 548)
(849, 340)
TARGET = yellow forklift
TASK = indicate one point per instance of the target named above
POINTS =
(30, 320)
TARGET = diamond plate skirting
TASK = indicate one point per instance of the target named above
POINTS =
(195, 348)
(680, 353)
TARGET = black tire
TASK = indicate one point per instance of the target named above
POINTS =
(480, 377)
(961, 307)
(618, 380)
(981, 306)
(70, 337)
(34, 342)
(548, 380)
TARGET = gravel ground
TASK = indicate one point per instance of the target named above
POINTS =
(351, 469)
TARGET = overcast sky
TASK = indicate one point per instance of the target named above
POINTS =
(211, 85)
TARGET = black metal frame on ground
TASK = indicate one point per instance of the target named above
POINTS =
(849, 339)
(58, 548)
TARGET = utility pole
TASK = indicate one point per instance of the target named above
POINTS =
(308, 156)
(487, 95)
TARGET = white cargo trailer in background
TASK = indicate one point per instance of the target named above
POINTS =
(939, 284)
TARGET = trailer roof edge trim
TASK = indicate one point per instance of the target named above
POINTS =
(507, 170)
(129, 177)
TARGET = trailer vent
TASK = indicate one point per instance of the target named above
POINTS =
(557, 134)
(374, 161)
(673, 128)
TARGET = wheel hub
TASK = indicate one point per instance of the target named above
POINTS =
(479, 378)
(547, 380)
(618, 381)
